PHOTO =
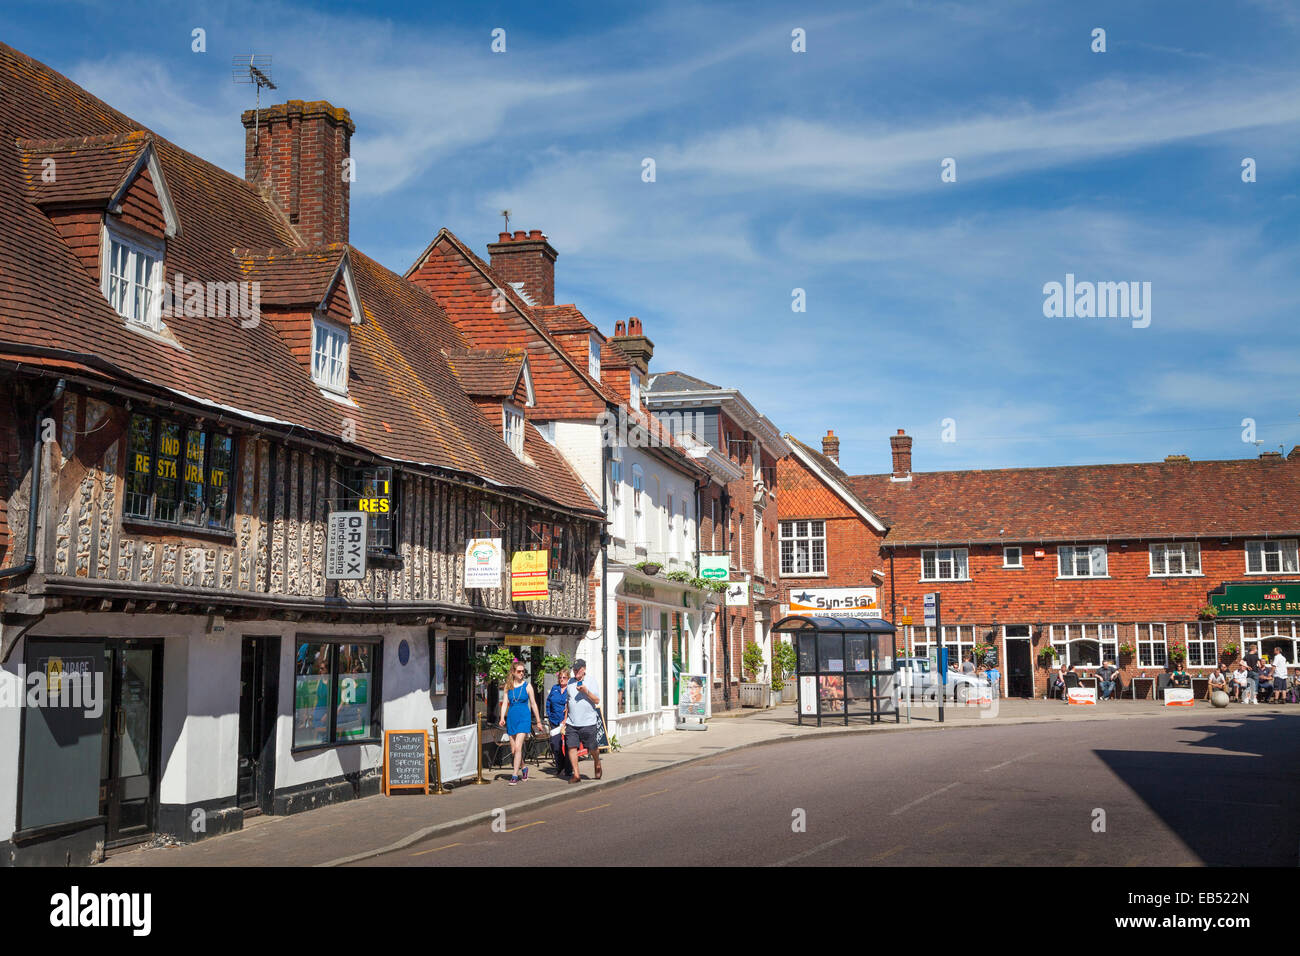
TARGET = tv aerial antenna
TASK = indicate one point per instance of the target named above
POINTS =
(255, 70)
(505, 214)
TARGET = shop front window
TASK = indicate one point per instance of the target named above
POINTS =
(334, 693)
(665, 662)
(631, 659)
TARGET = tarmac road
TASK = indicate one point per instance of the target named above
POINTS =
(1217, 789)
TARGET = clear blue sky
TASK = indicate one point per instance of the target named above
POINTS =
(820, 170)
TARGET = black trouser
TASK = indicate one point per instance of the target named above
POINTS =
(557, 751)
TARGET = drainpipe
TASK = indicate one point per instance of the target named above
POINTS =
(34, 497)
(604, 570)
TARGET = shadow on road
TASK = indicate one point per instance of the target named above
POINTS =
(1240, 807)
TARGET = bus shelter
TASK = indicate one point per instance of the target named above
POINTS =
(845, 667)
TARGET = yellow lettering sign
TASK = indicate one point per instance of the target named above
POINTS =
(141, 464)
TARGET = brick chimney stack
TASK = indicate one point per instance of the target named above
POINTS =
(901, 447)
(831, 446)
(529, 259)
(631, 341)
(296, 152)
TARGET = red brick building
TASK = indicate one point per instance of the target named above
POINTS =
(1098, 561)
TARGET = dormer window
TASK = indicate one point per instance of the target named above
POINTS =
(512, 428)
(593, 357)
(132, 277)
(329, 356)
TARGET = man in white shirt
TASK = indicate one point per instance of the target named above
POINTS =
(580, 718)
(1279, 676)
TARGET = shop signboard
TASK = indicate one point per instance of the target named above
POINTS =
(1082, 696)
(458, 752)
(483, 563)
(528, 576)
(1281, 599)
(345, 546)
(738, 594)
(1178, 697)
(691, 700)
(715, 567)
(836, 602)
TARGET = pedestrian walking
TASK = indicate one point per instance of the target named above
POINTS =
(518, 720)
(580, 718)
(556, 702)
(1279, 675)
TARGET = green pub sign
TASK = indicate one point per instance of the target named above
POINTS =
(1278, 599)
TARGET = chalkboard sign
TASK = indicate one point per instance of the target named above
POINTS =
(406, 760)
(990, 656)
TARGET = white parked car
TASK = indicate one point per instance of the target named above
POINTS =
(959, 686)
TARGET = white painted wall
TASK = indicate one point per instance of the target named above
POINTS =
(580, 444)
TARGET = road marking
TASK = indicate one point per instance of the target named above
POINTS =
(984, 809)
(890, 852)
(1005, 762)
(524, 826)
(941, 828)
(806, 853)
(589, 809)
(908, 806)
(653, 792)
(436, 849)
(707, 779)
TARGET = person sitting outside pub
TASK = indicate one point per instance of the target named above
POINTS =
(1056, 687)
(1106, 675)
(1218, 681)
(1243, 688)
(1265, 681)
(1179, 677)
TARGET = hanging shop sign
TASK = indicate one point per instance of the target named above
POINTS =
(345, 546)
(836, 602)
(738, 594)
(528, 576)
(1257, 600)
(483, 563)
(715, 567)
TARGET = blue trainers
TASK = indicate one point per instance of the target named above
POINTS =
(524, 775)
(513, 781)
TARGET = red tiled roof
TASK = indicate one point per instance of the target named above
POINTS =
(85, 169)
(289, 275)
(1088, 502)
(559, 319)
(490, 372)
(408, 405)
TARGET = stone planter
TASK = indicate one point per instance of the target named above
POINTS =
(790, 692)
(753, 695)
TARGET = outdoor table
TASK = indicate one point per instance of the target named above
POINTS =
(1089, 682)
(1133, 685)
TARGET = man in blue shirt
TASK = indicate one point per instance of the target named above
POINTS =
(580, 718)
(556, 702)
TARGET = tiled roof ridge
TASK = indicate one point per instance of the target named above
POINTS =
(1022, 469)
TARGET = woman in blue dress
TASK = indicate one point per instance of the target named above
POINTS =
(521, 706)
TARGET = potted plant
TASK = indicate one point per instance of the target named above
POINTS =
(649, 567)
(1177, 652)
(1208, 613)
(1230, 651)
(550, 664)
(752, 693)
(1126, 651)
(1047, 656)
(784, 662)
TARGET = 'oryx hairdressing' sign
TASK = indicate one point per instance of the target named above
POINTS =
(345, 546)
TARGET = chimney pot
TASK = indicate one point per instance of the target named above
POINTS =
(620, 328)
(900, 446)
(528, 261)
(831, 446)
